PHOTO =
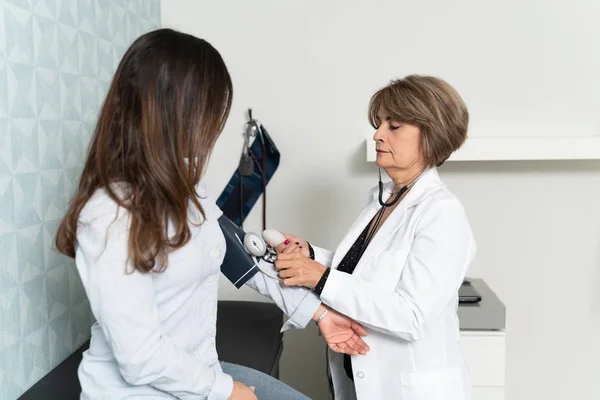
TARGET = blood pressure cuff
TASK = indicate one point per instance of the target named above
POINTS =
(238, 266)
(242, 192)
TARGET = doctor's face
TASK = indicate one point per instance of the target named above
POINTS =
(398, 144)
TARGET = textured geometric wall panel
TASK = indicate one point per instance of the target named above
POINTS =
(56, 61)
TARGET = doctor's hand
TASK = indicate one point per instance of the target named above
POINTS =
(342, 334)
(296, 269)
(293, 244)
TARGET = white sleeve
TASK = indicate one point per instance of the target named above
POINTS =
(435, 268)
(298, 303)
(123, 303)
(323, 256)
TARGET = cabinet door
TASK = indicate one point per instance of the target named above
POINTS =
(488, 393)
(484, 352)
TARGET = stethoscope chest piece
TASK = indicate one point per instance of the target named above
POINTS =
(270, 255)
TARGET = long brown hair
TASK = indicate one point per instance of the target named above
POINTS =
(169, 100)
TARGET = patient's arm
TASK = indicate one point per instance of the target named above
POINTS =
(299, 304)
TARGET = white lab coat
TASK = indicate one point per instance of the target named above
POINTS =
(404, 291)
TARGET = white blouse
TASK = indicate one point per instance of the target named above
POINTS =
(154, 335)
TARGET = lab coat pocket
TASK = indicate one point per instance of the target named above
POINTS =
(434, 385)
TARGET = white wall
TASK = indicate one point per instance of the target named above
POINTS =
(308, 68)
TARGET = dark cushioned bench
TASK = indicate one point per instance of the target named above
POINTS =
(248, 333)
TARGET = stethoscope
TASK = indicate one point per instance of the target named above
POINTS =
(384, 206)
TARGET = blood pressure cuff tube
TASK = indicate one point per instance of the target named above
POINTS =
(238, 266)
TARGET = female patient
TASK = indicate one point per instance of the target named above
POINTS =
(145, 237)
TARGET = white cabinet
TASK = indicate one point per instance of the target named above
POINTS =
(488, 393)
(485, 354)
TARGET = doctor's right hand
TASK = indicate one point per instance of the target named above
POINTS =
(242, 392)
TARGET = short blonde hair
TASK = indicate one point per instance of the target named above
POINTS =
(431, 104)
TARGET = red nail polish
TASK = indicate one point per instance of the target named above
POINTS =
(287, 241)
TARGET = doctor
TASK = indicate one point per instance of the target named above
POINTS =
(398, 269)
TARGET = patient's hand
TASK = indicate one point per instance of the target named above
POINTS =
(342, 334)
(242, 392)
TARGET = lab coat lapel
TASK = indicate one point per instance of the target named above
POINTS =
(428, 183)
(394, 221)
(355, 230)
